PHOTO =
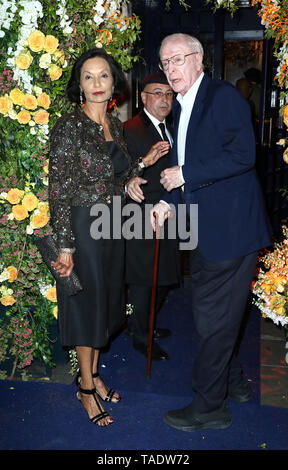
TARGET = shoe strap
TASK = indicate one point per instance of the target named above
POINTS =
(91, 391)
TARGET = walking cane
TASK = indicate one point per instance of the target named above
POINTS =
(153, 296)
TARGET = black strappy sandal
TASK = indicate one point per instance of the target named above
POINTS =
(102, 414)
(109, 394)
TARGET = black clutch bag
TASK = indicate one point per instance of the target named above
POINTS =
(49, 252)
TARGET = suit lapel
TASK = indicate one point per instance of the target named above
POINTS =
(148, 124)
(198, 107)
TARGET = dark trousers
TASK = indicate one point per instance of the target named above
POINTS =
(219, 296)
(140, 298)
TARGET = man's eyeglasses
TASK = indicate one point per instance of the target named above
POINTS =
(160, 94)
(178, 59)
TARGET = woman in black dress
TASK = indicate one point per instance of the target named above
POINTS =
(88, 165)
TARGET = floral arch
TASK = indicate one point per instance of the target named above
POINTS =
(38, 41)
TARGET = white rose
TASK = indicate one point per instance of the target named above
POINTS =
(29, 229)
(37, 90)
(12, 114)
(45, 61)
(4, 276)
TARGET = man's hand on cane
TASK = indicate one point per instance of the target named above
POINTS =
(159, 213)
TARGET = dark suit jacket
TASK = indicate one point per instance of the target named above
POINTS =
(140, 134)
(219, 173)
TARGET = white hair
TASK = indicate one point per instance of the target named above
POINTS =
(190, 40)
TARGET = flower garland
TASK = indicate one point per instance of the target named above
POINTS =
(271, 286)
(29, 105)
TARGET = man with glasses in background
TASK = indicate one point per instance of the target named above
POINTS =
(212, 165)
(140, 133)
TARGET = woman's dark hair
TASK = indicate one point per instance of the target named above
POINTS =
(119, 80)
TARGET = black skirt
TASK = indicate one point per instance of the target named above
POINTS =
(91, 316)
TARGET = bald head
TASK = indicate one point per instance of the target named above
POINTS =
(191, 41)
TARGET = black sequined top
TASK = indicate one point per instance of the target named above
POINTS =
(81, 171)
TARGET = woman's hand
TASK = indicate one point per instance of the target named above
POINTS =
(63, 264)
(134, 190)
(157, 151)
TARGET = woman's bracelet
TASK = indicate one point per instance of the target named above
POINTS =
(67, 250)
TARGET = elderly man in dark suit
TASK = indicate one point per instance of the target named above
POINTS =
(140, 133)
(212, 165)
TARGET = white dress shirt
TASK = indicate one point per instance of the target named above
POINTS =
(186, 103)
(156, 123)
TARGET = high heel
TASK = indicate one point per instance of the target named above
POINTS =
(102, 414)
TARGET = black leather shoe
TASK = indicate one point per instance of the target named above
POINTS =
(157, 353)
(160, 333)
(241, 393)
(187, 420)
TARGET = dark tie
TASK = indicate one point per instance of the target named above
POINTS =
(162, 128)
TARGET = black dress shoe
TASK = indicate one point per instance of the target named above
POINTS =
(187, 420)
(160, 333)
(157, 353)
(240, 393)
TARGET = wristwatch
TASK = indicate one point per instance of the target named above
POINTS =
(141, 163)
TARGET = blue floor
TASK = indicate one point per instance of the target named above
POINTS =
(46, 416)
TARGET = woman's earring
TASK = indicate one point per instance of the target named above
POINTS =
(81, 97)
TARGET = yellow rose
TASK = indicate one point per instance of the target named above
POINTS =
(36, 41)
(13, 273)
(41, 117)
(39, 220)
(29, 101)
(23, 60)
(55, 312)
(14, 195)
(43, 100)
(60, 56)
(51, 294)
(30, 201)
(285, 156)
(55, 72)
(51, 44)
(43, 207)
(23, 117)
(7, 300)
(280, 310)
(5, 104)
(16, 96)
(19, 212)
